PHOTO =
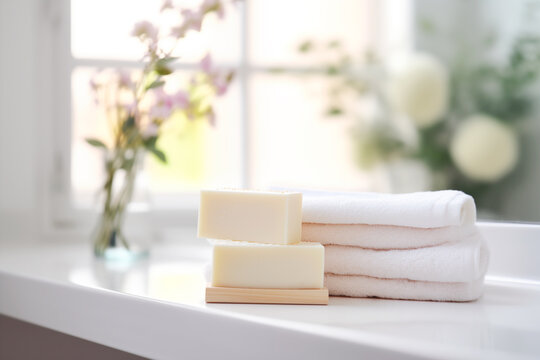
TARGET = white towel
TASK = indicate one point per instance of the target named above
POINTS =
(383, 236)
(365, 286)
(422, 209)
(453, 262)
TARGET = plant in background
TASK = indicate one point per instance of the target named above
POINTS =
(465, 118)
(138, 105)
(418, 88)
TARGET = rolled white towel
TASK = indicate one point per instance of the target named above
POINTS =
(452, 262)
(422, 209)
(365, 286)
(383, 236)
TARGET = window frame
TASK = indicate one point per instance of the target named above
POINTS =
(60, 217)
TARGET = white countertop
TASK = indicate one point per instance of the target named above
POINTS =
(156, 309)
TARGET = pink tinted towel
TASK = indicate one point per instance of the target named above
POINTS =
(463, 261)
(383, 236)
(422, 209)
(365, 286)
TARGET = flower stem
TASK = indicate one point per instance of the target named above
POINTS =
(109, 230)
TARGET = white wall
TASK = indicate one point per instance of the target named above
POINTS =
(18, 117)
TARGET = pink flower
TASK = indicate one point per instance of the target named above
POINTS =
(180, 100)
(124, 78)
(150, 131)
(178, 31)
(131, 108)
(220, 80)
(206, 64)
(165, 104)
(192, 19)
(152, 46)
(160, 111)
(93, 84)
(221, 83)
(167, 4)
(159, 93)
(145, 29)
(221, 12)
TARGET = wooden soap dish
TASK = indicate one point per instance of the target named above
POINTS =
(216, 294)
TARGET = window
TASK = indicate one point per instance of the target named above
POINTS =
(270, 129)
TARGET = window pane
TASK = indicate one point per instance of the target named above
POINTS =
(198, 154)
(293, 143)
(100, 30)
(277, 27)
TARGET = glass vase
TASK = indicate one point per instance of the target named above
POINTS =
(122, 232)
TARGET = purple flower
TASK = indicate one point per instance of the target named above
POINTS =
(124, 78)
(192, 19)
(145, 29)
(160, 111)
(180, 99)
(131, 107)
(93, 84)
(221, 83)
(220, 80)
(167, 4)
(178, 31)
(165, 104)
(206, 64)
(151, 130)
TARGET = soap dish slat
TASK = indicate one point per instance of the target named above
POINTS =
(215, 294)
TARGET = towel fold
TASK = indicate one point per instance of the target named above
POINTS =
(383, 236)
(365, 286)
(430, 209)
(452, 262)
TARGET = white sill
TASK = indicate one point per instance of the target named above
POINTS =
(157, 309)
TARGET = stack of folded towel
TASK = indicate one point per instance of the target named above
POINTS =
(421, 246)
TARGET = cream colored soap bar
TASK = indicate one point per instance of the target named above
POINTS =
(270, 266)
(264, 217)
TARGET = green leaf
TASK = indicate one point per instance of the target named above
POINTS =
(167, 60)
(156, 83)
(334, 44)
(334, 111)
(133, 136)
(162, 69)
(159, 154)
(162, 66)
(150, 143)
(332, 70)
(128, 164)
(128, 124)
(305, 46)
(96, 143)
(276, 70)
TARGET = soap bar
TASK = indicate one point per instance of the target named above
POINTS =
(264, 217)
(270, 266)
